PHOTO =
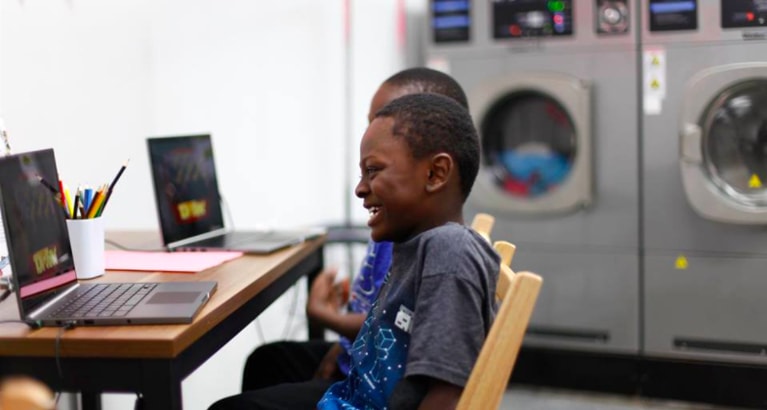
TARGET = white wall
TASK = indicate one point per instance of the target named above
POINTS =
(93, 78)
(100, 76)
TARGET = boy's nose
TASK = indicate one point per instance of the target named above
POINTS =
(362, 189)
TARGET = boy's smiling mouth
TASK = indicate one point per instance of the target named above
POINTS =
(373, 212)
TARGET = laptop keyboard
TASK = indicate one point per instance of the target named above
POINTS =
(105, 300)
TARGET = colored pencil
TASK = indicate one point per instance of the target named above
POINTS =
(70, 202)
(55, 193)
(75, 207)
(97, 201)
(112, 185)
(119, 174)
(87, 197)
(48, 185)
(64, 201)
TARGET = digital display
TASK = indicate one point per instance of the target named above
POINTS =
(532, 18)
(451, 21)
(744, 13)
(35, 226)
(673, 15)
(186, 186)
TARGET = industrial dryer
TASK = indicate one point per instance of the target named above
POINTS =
(704, 133)
(552, 88)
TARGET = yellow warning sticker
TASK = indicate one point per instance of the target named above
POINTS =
(654, 79)
(681, 262)
(754, 181)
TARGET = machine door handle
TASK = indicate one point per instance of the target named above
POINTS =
(690, 148)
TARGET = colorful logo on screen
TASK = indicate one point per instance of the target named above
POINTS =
(191, 211)
(45, 259)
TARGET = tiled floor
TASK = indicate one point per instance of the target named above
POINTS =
(540, 398)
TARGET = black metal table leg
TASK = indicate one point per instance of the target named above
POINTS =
(90, 400)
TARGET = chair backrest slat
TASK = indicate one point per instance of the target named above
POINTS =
(483, 224)
(506, 250)
(490, 375)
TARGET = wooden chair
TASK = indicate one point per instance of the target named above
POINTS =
(506, 250)
(490, 375)
(483, 224)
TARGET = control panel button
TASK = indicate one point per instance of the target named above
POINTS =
(612, 16)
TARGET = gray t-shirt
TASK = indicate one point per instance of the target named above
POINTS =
(429, 320)
(451, 272)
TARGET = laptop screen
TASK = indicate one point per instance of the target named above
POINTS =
(35, 228)
(185, 186)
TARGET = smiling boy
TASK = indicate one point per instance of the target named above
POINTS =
(419, 158)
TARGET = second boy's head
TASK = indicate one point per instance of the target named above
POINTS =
(416, 80)
(419, 159)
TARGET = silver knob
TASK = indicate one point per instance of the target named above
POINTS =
(611, 15)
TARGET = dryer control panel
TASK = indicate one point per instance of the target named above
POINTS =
(532, 18)
(673, 15)
(681, 23)
(744, 13)
(475, 27)
(451, 20)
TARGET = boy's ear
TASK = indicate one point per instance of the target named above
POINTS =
(440, 170)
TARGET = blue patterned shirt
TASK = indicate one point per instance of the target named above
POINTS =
(365, 288)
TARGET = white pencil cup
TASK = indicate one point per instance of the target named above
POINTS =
(86, 237)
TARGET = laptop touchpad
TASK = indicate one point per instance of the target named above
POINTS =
(173, 297)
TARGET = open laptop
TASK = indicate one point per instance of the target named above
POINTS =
(189, 203)
(44, 276)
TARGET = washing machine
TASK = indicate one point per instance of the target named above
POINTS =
(553, 90)
(704, 170)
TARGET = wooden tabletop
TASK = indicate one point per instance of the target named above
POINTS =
(238, 281)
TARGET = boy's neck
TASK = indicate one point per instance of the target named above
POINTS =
(444, 215)
(448, 207)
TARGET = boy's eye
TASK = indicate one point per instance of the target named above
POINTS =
(369, 171)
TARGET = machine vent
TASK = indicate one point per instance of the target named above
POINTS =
(720, 346)
(572, 334)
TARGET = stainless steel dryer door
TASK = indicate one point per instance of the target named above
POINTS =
(723, 146)
(536, 143)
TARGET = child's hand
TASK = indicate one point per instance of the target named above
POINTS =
(323, 300)
(341, 291)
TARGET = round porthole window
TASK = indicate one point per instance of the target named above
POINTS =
(529, 144)
(734, 142)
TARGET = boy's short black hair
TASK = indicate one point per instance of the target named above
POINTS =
(433, 123)
(427, 80)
